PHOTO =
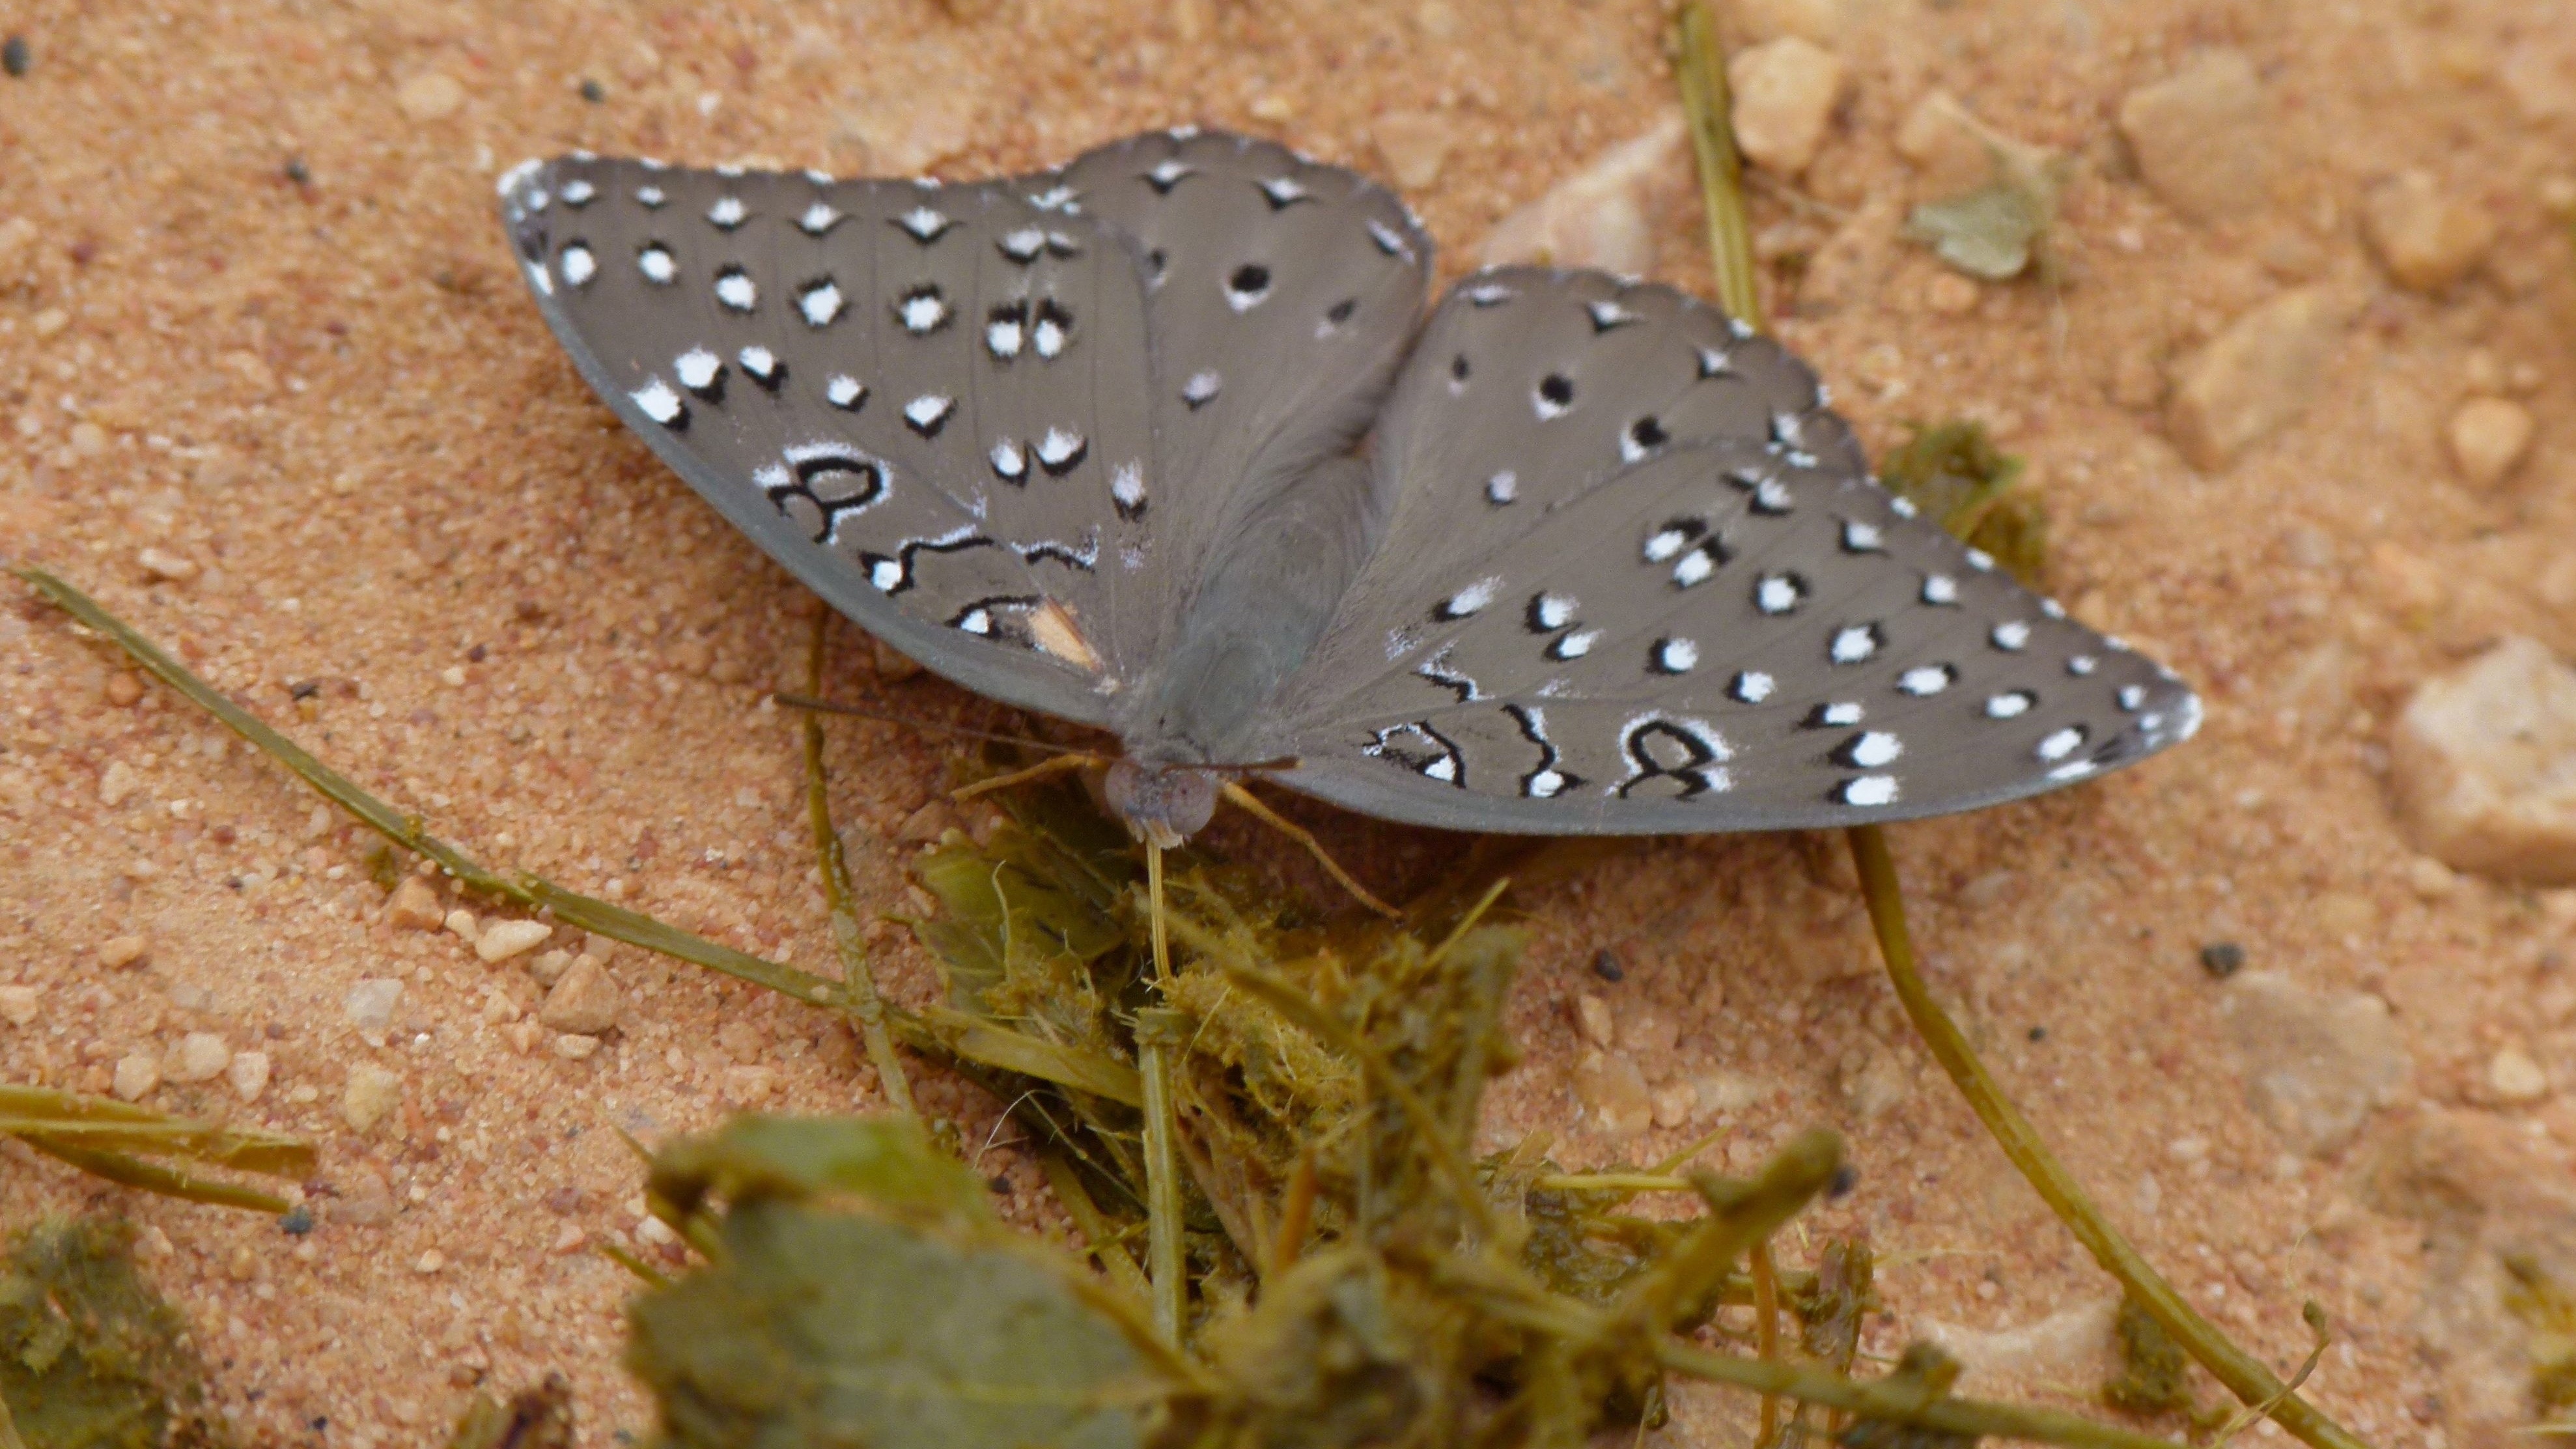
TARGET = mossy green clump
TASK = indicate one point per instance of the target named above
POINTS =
(1954, 473)
(2547, 1309)
(90, 1356)
(2154, 1372)
(1353, 1275)
(535, 1418)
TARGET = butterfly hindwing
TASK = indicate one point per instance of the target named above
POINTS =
(1730, 628)
(927, 401)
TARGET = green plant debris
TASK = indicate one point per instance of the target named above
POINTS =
(536, 1418)
(2548, 1311)
(1996, 231)
(1954, 472)
(118, 1141)
(1354, 1277)
(860, 1292)
(1990, 232)
(90, 1356)
(2153, 1377)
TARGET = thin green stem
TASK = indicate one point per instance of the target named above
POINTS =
(858, 981)
(2243, 1375)
(1155, 1029)
(569, 907)
(1701, 67)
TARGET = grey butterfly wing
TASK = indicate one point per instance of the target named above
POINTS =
(1280, 295)
(1712, 621)
(928, 402)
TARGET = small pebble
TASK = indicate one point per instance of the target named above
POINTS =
(88, 439)
(2199, 136)
(592, 91)
(117, 952)
(296, 171)
(584, 1002)
(1415, 144)
(2222, 959)
(117, 783)
(1614, 1092)
(548, 967)
(502, 940)
(414, 906)
(50, 321)
(2426, 238)
(19, 1005)
(2483, 764)
(575, 1048)
(137, 1076)
(201, 1056)
(1592, 1014)
(370, 1004)
(248, 1074)
(371, 1096)
(2489, 436)
(123, 690)
(460, 924)
(1675, 1104)
(297, 1222)
(14, 56)
(2256, 377)
(2432, 880)
(1951, 295)
(2516, 1077)
(429, 1262)
(163, 564)
(430, 96)
(1605, 964)
(1785, 94)
(1846, 1177)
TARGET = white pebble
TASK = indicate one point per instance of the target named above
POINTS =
(370, 1005)
(137, 1076)
(249, 1075)
(502, 940)
(201, 1056)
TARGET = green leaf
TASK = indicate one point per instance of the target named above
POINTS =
(89, 1355)
(1989, 233)
(829, 1329)
(888, 1162)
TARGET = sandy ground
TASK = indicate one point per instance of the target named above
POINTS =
(259, 318)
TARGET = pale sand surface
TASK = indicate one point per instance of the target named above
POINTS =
(334, 399)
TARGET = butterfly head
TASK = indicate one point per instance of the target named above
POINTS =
(1166, 804)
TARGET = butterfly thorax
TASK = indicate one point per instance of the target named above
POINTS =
(1166, 804)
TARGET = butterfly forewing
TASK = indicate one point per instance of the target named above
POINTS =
(928, 401)
(1727, 628)
(1281, 294)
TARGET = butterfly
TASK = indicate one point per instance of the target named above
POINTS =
(1162, 441)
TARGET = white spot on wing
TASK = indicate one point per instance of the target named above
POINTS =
(1471, 599)
(697, 369)
(1869, 791)
(657, 400)
(820, 303)
(735, 290)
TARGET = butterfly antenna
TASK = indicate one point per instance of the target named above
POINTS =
(825, 706)
(1163, 1261)
(1250, 804)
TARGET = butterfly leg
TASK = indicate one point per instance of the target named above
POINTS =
(1156, 1036)
(1250, 804)
(1043, 770)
